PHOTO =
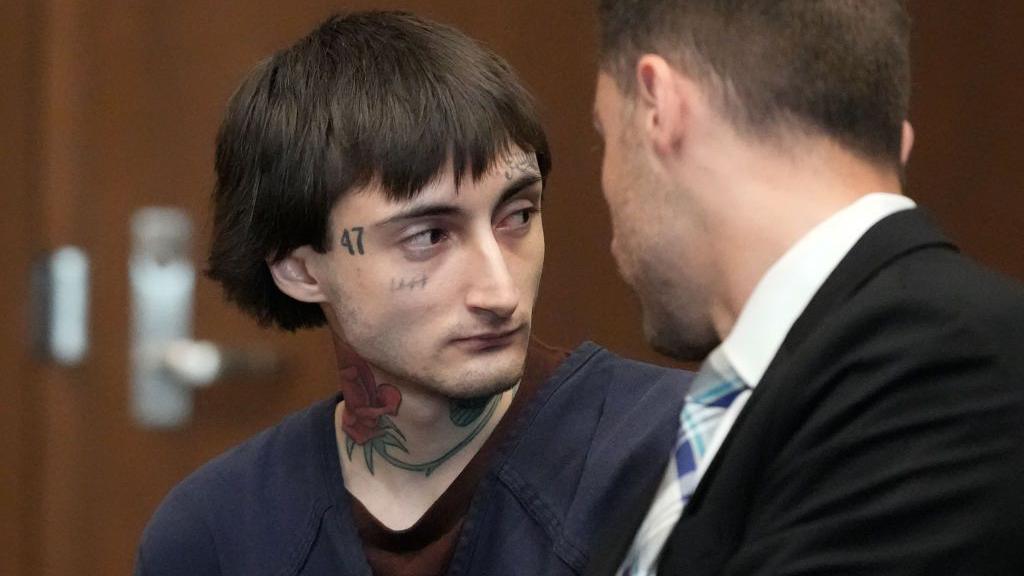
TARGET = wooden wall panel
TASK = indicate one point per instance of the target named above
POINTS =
(17, 433)
(968, 163)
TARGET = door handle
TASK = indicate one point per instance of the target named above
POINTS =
(167, 364)
(60, 306)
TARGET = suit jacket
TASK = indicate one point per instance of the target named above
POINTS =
(886, 436)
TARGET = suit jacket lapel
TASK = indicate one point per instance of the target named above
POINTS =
(891, 238)
(894, 236)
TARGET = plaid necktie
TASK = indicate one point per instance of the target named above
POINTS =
(714, 389)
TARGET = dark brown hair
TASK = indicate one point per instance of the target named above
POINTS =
(368, 97)
(837, 67)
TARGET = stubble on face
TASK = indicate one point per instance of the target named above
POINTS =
(401, 318)
(674, 326)
(387, 346)
(652, 247)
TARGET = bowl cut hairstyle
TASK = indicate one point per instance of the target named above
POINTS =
(840, 68)
(382, 98)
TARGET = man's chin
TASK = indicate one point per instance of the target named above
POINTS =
(484, 389)
(676, 339)
(486, 376)
(482, 384)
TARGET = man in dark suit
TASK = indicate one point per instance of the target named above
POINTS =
(861, 406)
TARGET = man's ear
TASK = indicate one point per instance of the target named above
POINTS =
(906, 142)
(295, 275)
(665, 102)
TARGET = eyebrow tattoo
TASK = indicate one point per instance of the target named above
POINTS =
(518, 185)
(527, 163)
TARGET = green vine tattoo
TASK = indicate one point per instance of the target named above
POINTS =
(461, 412)
(465, 411)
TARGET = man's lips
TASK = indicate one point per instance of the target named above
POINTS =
(489, 339)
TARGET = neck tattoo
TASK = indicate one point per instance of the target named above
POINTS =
(366, 421)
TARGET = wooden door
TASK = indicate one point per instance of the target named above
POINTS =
(112, 105)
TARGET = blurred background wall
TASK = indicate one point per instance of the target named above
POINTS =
(109, 106)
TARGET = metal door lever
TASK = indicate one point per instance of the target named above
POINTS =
(167, 364)
(200, 363)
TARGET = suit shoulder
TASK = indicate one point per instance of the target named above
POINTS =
(944, 292)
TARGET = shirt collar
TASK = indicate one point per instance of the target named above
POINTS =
(788, 286)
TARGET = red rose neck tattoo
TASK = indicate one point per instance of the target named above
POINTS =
(369, 406)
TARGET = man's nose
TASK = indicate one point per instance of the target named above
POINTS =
(492, 288)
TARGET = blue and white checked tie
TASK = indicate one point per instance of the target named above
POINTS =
(714, 389)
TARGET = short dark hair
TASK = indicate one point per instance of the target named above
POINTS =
(369, 97)
(837, 67)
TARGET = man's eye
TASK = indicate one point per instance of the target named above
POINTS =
(425, 239)
(519, 218)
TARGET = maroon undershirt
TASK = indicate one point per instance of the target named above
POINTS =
(426, 547)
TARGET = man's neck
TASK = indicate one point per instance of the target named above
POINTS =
(401, 485)
(400, 445)
(427, 431)
(772, 203)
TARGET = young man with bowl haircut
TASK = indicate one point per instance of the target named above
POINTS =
(384, 177)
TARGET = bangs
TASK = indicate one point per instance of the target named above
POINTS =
(422, 99)
(382, 98)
